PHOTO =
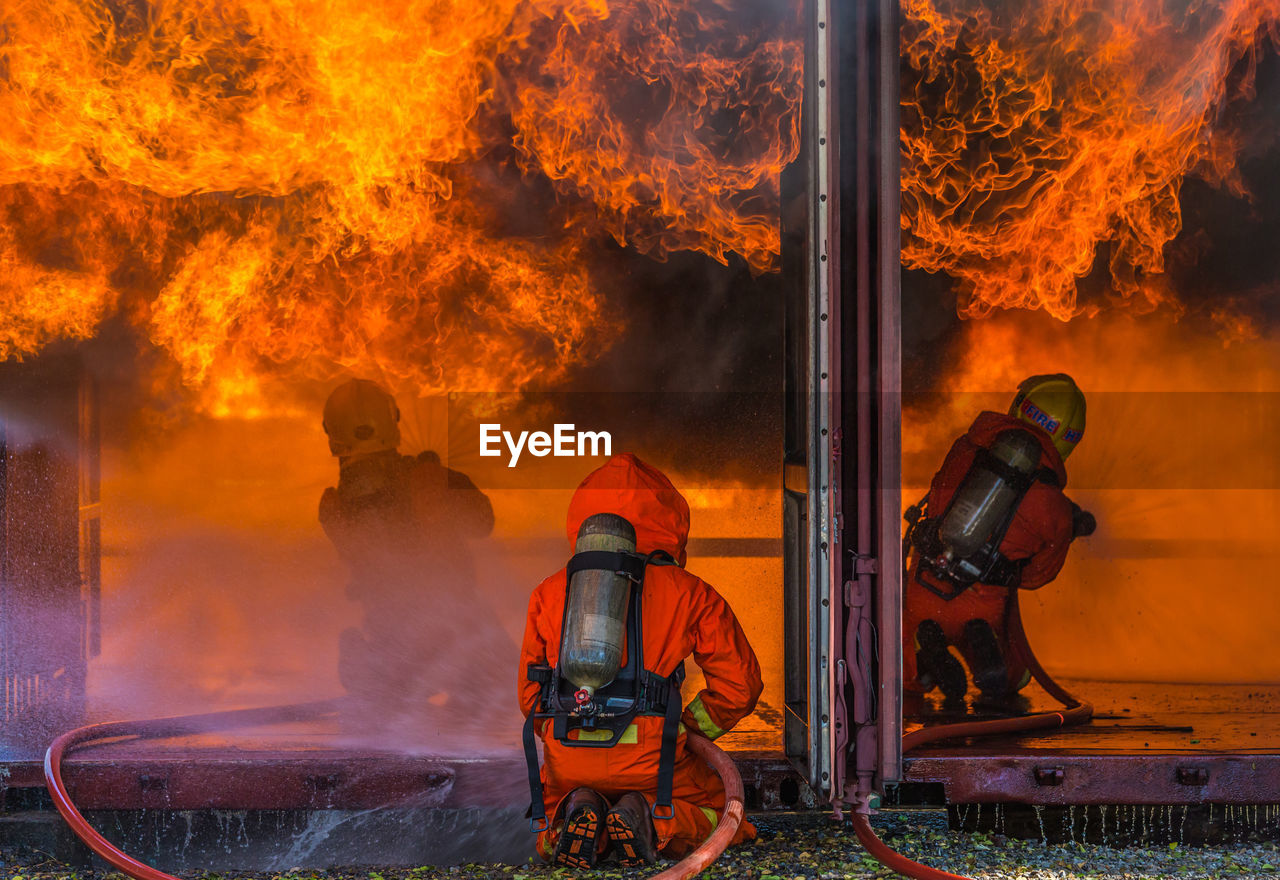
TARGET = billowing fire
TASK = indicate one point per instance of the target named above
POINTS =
(1037, 135)
(273, 191)
(718, 95)
(1047, 149)
(300, 188)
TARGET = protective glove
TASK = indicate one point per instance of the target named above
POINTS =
(1083, 522)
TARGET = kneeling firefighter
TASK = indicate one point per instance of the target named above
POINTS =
(601, 668)
(995, 520)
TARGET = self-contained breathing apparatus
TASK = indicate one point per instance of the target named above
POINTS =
(590, 692)
(961, 546)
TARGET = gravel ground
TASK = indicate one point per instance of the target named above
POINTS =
(812, 847)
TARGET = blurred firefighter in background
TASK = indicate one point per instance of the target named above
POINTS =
(617, 778)
(401, 523)
(995, 520)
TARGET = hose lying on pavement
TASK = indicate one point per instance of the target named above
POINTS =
(1075, 711)
(184, 725)
(711, 848)
(880, 851)
(189, 725)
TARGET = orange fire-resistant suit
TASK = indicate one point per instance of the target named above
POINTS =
(682, 615)
(1040, 532)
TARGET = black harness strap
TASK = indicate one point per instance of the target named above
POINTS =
(629, 565)
(662, 808)
(537, 812)
(998, 570)
(653, 694)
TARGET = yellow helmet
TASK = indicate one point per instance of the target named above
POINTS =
(361, 417)
(1055, 405)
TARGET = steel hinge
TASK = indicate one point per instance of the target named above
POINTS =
(865, 564)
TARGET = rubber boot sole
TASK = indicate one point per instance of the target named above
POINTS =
(627, 845)
(576, 847)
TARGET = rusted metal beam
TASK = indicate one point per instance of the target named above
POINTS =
(1046, 777)
(201, 779)
(268, 782)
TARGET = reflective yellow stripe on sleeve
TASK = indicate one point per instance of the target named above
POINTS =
(706, 726)
(712, 816)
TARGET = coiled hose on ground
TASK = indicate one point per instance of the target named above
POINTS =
(189, 725)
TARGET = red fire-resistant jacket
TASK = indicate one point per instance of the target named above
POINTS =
(1039, 533)
(683, 615)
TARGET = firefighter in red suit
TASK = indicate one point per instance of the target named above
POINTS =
(963, 603)
(402, 524)
(597, 799)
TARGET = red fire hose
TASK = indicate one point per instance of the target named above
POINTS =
(1075, 711)
(189, 725)
(185, 725)
(730, 819)
(880, 851)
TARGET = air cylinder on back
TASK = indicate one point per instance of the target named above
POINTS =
(596, 617)
(985, 497)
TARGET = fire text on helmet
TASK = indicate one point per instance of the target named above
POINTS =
(1039, 417)
(563, 441)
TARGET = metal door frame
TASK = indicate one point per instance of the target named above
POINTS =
(842, 568)
(868, 652)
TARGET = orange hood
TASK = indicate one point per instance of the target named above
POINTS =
(642, 495)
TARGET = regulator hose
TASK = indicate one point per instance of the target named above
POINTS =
(714, 846)
(1075, 711)
(183, 725)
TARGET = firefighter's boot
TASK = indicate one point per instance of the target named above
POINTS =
(583, 837)
(631, 833)
(934, 664)
(990, 675)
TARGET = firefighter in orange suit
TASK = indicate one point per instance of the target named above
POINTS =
(401, 524)
(1000, 490)
(599, 799)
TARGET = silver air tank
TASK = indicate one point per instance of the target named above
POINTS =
(595, 621)
(984, 498)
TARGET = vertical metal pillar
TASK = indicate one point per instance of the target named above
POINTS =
(841, 469)
(869, 661)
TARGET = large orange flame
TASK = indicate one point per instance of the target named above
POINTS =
(289, 188)
(1034, 134)
(694, 161)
